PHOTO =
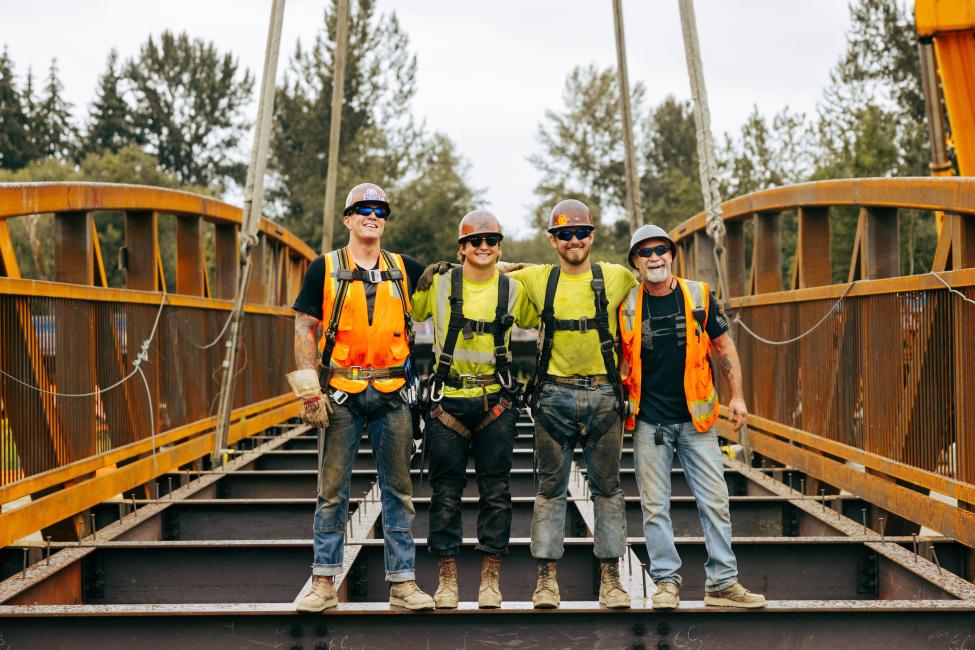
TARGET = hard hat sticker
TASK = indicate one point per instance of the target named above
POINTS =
(561, 220)
(372, 195)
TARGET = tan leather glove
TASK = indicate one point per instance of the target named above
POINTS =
(315, 404)
(511, 267)
(425, 281)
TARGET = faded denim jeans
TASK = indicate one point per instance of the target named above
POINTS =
(566, 415)
(448, 451)
(700, 457)
(387, 419)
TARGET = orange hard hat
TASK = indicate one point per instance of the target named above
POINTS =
(365, 193)
(570, 213)
(478, 222)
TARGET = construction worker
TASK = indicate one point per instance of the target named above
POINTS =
(359, 295)
(669, 327)
(473, 402)
(577, 398)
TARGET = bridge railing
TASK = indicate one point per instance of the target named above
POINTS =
(868, 385)
(76, 338)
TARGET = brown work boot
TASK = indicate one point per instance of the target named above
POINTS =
(322, 595)
(409, 595)
(489, 595)
(734, 596)
(446, 594)
(667, 595)
(546, 594)
(611, 591)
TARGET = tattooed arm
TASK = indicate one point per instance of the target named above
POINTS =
(306, 347)
(730, 365)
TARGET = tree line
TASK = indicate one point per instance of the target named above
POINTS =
(173, 115)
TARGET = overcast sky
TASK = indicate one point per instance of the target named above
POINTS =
(487, 70)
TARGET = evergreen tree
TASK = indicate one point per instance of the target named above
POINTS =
(52, 132)
(109, 120)
(188, 111)
(14, 135)
(379, 140)
(671, 186)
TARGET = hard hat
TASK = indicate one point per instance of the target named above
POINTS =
(365, 193)
(570, 213)
(478, 222)
(649, 231)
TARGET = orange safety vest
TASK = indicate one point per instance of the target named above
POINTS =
(381, 344)
(702, 400)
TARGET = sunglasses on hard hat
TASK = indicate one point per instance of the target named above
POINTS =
(659, 250)
(567, 234)
(365, 211)
(475, 240)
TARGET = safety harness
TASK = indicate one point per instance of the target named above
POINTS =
(599, 322)
(458, 324)
(345, 275)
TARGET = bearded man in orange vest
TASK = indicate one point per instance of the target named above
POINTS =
(359, 294)
(668, 327)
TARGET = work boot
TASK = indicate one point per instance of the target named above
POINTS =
(611, 591)
(667, 595)
(407, 594)
(546, 594)
(489, 595)
(322, 595)
(734, 596)
(446, 594)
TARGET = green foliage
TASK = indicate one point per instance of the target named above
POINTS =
(52, 131)
(671, 187)
(188, 108)
(14, 134)
(109, 118)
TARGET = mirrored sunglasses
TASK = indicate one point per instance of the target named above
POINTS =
(365, 211)
(659, 250)
(578, 233)
(492, 240)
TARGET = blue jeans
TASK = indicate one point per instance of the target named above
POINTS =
(448, 451)
(567, 414)
(387, 419)
(701, 459)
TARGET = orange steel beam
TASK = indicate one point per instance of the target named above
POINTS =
(76, 498)
(40, 288)
(71, 471)
(41, 198)
(953, 522)
(8, 260)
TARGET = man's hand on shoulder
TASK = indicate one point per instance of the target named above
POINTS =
(511, 267)
(426, 278)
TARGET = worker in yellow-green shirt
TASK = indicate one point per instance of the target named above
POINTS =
(575, 397)
(473, 400)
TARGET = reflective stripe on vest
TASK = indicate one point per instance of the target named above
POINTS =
(702, 400)
(382, 343)
(442, 302)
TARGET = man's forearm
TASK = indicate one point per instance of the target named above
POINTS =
(730, 366)
(306, 347)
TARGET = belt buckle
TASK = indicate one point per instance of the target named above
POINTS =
(469, 381)
(374, 276)
(584, 382)
(355, 372)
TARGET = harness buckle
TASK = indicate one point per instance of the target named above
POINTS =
(469, 381)
(355, 372)
(375, 276)
(479, 326)
(339, 396)
(583, 324)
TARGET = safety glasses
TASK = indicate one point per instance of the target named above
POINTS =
(578, 233)
(659, 250)
(492, 240)
(365, 211)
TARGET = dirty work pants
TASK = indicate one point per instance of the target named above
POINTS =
(387, 420)
(700, 456)
(448, 453)
(566, 415)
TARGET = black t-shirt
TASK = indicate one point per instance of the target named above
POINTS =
(309, 300)
(662, 399)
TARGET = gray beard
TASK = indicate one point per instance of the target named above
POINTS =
(657, 275)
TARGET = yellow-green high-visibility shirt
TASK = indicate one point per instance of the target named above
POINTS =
(577, 353)
(474, 356)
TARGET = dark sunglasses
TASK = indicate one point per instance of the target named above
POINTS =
(578, 233)
(365, 211)
(659, 250)
(492, 240)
